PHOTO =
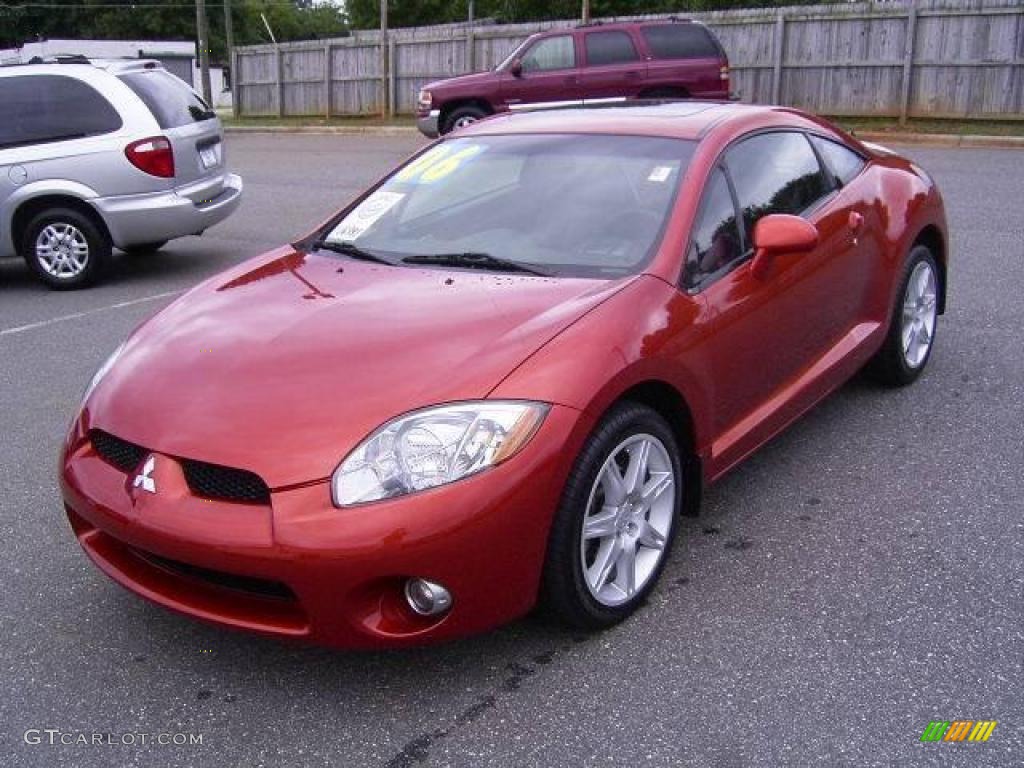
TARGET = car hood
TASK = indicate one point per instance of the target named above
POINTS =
(283, 364)
(462, 81)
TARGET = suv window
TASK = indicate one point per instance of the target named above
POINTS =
(612, 47)
(44, 108)
(842, 161)
(171, 101)
(680, 41)
(716, 243)
(775, 173)
(557, 52)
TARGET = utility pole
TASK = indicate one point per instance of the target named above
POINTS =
(384, 63)
(203, 33)
(229, 41)
(586, 11)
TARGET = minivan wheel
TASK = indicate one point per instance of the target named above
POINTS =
(908, 344)
(144, 249)
(616, 522)
(461, 117)
(64, 248)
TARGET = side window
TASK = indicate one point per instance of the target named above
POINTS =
(612, 47)
(775, 173)
(680, 41)
(843, 162)
(715, 243)
(557, 52)
(45, 108)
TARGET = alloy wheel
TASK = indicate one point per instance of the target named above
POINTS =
(919, 313)
(628, 519)
(62, 250)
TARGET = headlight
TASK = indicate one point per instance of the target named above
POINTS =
(426, 99)
(103, 371)
(434, 446)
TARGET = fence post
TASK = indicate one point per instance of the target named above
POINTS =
(908, 63)
(327, 81)
(236, 84)
(280, 82)
(779, 43)
(392, 77)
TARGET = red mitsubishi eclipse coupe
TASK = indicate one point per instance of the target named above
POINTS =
(501, 375)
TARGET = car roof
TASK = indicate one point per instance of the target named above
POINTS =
(78, 64)
(692, 120)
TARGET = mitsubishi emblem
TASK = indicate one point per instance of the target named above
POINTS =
(144, 480)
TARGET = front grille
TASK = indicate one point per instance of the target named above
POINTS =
(249, 584)
(225, 483)
(211, 481)
(122, 454)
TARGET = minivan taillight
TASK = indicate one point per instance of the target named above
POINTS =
(723, 73)
(154, 156)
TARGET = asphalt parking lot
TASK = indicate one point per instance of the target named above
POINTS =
(859, 577)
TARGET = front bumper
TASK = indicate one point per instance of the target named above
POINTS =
(301, 568)
(149, 218)
(429, 123)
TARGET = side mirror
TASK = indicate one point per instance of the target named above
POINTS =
(516, 68)
(777, 234)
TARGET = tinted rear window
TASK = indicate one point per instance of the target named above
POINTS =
(612, 47)
(45, 108)
(680, 41)
(171, 101)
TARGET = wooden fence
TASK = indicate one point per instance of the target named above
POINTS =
(934, 58)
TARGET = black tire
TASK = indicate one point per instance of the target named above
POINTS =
(665, 93)
(468, 113)
(565, 596)
(95, 238)
(144, 249)
(890, 365)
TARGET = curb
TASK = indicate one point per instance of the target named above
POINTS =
(942, 139)
(882, 137)
(351, 130)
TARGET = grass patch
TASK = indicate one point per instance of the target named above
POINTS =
(371, 121)
(928, 125)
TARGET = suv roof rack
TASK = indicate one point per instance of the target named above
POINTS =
(60, 58)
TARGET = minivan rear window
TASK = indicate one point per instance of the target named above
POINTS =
(47, 108)
(171, 101)
(680, 41)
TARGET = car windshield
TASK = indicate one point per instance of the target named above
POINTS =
(572, 205)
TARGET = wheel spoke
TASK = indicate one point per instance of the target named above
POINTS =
(636, 472)
(600, 525)
(606, 558)
(614, 486)
(626, 567)
(651, 537)
(657, 485)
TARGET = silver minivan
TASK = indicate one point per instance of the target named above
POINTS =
(102, 154)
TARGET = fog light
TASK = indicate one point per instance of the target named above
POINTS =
(427, 598)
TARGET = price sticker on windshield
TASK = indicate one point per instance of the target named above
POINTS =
(364, 215)
(438, 163)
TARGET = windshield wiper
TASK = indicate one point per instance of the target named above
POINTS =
(476, 260)
(351, 250)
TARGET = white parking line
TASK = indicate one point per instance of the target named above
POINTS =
(86, 313)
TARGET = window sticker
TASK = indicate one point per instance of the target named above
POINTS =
(438, 163)
(364, 215)
(660, 173)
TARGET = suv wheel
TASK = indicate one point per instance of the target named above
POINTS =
(461, 117)
(64, 248)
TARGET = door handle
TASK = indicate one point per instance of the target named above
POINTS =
(632, 74)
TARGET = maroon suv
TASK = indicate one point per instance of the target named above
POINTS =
(590, 64)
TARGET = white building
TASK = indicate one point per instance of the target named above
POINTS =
(177, 56)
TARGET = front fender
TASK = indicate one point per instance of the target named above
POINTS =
(614, 348)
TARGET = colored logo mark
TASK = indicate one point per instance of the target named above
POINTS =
(959, 730)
